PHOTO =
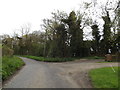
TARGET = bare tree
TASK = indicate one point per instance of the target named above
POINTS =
(25, 29)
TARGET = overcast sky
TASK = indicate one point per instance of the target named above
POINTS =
(14, 13)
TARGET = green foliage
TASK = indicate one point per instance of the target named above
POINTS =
(50, 59)
(37, 49)
(104, 62)
(0, 68)
(10, 65)
(31, 44)
(58, 44)
(63, 37)
(75, 34)
(7, 41)
(104, 77)
(106, 33)
(6, 51)
(0, 45)
(96, 39)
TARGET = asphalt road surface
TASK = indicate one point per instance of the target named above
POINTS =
(36, 74)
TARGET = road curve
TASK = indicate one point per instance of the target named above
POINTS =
(37, 74)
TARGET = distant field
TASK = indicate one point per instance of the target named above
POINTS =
(105, 77)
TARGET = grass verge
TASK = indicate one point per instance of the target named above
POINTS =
(107, 62)
(104, 77)
(10, 65)
(50, 59)
(93, 57)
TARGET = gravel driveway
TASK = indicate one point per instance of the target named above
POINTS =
(36, 74)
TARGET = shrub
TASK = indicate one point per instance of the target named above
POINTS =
(6, 51)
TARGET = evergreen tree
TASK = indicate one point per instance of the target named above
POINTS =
(96, 38)
(58, 45)
(106, 33)
(75, 34)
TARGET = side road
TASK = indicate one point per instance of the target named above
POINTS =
(36, 74)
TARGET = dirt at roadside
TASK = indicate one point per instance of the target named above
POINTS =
(77, 71)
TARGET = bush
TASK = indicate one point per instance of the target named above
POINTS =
(10, 65)
(6, 51)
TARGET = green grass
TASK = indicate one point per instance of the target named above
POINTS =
(50, 59)
(104, 77)
(93, 57)
(0, 69)
(10, 65)
(106, 62)
(0, 45)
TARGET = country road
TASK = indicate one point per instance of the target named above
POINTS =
(36, 74)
